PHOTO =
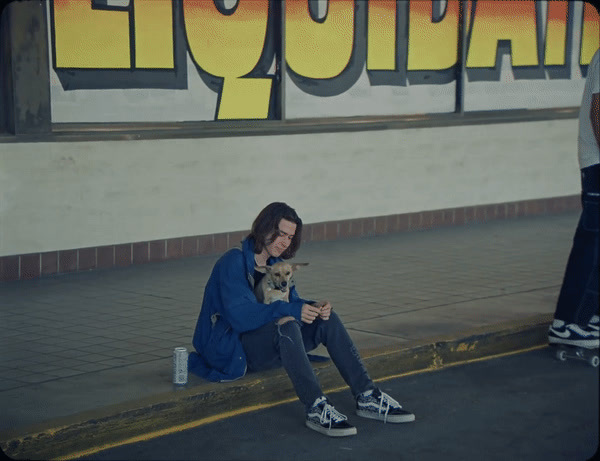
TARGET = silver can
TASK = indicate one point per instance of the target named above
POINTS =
(180, 370)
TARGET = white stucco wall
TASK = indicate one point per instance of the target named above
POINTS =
(56, 196)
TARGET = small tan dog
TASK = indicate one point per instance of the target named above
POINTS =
(277, 282)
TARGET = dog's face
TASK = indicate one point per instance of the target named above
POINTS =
(280, 274)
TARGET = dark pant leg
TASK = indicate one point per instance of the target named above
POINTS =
(274, 345)
(578, 298)
(262, 348)
(295, 361)
(346, 358)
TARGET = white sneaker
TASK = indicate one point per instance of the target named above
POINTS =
(594, 323)
(572, 335)
(323, 418)
(375, 404)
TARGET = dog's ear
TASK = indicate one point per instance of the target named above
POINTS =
(297, 266)
(262, 269)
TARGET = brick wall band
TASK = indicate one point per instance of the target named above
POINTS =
(35, 265)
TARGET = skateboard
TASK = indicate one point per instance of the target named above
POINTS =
(563, 352)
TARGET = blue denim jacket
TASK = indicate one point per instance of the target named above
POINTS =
(229, 308)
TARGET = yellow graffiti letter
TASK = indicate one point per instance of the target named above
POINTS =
(381, 35)
(503, 20)
(87, 38)
(230, 46)
(319, 50)
(432, 46)
(153, 34)
(556, 33)
(590, 34)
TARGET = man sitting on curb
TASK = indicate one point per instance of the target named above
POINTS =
(235, 333)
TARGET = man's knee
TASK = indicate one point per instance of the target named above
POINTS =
(334, 317)
(289, 328)
(287, 319)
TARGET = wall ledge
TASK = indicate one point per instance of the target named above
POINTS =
(52, 263)
(132, 131)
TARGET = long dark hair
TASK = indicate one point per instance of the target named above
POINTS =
(266, 225)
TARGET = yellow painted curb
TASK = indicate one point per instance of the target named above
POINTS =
(228, 414)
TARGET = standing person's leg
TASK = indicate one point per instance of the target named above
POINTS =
(590, 222)
(577, 275)
(577, 303)
(587, 306)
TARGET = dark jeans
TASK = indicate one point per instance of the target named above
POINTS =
(578, 298)
(274, 345)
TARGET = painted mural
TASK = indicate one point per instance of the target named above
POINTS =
(194, 60)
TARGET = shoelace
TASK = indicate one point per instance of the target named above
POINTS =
(390, 403)
(329, 413)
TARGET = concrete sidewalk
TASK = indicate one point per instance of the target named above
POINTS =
(86, 361)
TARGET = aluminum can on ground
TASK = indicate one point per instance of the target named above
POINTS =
(180, 370)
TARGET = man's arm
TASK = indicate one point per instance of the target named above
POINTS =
(240, 307)
(595, 116)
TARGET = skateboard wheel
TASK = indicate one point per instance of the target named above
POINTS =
(594, 361)
(561, 355)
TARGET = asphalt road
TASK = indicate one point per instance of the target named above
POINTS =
(521, 407)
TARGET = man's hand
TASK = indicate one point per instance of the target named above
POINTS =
(325, 310)
(309, 313)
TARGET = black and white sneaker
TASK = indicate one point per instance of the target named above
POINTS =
(571, 334)
(323, 418)
(378, 405)
(594, 323)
